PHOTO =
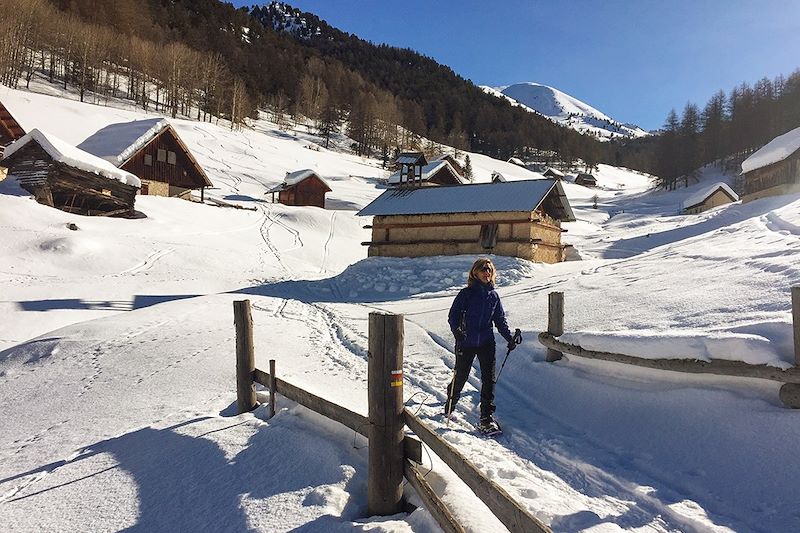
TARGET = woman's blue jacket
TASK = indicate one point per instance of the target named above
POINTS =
(475, 309)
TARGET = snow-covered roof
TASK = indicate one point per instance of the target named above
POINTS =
(293, 178)
(776, 150)
(521, 196)
(118, 142)
(428, 171)
(701, 196)
(65, 153)
(409, 158)
(516, 161)
(554, 171)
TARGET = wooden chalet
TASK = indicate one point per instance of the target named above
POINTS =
(151, 150)
(408, 166)
(519, 219)
(709, 197)
(517, 161)
(774, 169)
(453, 163)
(302, 187)
(553, 173)
(62, 176)
(587, 180)
(435, 173)
(10, 130)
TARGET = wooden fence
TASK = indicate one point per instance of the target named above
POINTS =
(789, 391)
(393, 454)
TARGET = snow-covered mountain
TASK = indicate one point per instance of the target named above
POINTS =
(565, 109)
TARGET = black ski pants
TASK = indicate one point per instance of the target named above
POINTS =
(464, 359)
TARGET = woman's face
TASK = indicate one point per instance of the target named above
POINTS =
(485, 273)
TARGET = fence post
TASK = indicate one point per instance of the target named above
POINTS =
(273, 389)
(555, 322)
(245, 357)
(385, 392)
(796, 323)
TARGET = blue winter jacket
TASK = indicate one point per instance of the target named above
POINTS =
(479, 304)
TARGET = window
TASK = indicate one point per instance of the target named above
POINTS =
(488, 236)
(148, 160)
(162, 155)
(170, 158)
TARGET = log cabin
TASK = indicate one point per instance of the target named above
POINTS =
(774, 169)
(62, 176)
(435, 173)
(708, 198)
(519, 219)
(302, 187)
(151, 150)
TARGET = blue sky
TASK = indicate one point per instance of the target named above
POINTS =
(633, 60)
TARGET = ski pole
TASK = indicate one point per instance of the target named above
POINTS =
(516, 340)
(462, 328)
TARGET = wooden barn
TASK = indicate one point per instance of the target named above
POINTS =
(709, 197)
(408, 167)
(553, 173)
(453, 163)
(774, 169)
(62, 176)
(519, 219)
(302, 187)
(587, 180)
(435, 173)
(10, 130)
(517, 161)
(151, 150)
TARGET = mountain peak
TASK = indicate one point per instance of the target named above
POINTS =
(567, 110)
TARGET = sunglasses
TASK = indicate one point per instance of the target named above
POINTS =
(486, 268)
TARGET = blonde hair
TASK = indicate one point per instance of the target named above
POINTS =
(477, 267)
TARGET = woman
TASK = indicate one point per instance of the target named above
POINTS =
(474, 310)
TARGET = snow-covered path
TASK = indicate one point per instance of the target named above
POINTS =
(117, 356)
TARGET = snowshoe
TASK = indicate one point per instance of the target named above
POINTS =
(489, 427)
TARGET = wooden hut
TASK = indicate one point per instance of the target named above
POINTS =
(408, 167)
(774, 169)
(453, 163)
(520, 219)
(517, 161)
(152, 150)
(587, 180)
(435, 173)
(553, 173)
(709, 197)
(302, 187)
(10, 130)
(62, 176)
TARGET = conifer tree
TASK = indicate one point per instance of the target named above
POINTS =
(468, 169)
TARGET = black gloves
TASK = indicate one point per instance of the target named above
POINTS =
(515, 340)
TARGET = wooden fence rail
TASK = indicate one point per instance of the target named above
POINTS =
(790, 377)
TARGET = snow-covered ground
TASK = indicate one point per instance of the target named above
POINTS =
(117, 362)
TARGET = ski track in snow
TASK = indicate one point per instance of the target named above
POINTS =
(148, 262)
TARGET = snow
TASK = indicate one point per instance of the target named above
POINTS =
(117, 367)
(564, 109)
(524, 196)
(776, 150)
(704, 193)
(63, 152)
(116, 143)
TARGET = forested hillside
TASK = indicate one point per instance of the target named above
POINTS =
(207, 59)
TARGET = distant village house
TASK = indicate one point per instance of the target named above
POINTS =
(587, 180)
(517, 161)
(518, 219)
(774, 169)
(439, 172)
(454, 163)
(708, 198)
(302, 187)
(62, 176)
(151, 150)
(553, 173)
(10, 131)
